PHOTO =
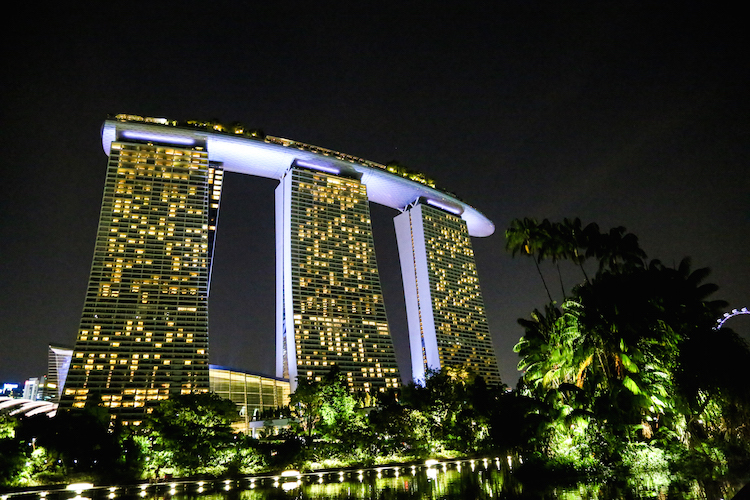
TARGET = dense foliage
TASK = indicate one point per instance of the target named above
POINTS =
(629, 370)
(72, 446)
(452, 414)
(192, 434)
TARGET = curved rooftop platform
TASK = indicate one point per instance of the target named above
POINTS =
(271, 157)
(26, 407)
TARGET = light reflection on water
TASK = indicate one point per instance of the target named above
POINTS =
(468, 479)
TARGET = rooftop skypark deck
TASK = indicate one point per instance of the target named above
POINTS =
(253, 153)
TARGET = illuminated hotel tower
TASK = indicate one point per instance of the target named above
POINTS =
(58, 363)
(143, 335)
(445, 310)
(144, 329)
(330, 309)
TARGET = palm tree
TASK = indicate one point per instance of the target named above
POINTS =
(534, 347)
(525, 236)
(633, 354)
(552, 245)
(617, 250)
(576, 240)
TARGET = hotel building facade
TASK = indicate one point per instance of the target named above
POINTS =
(253, 394)
(444, 306)
(144, 328)
(330, 310)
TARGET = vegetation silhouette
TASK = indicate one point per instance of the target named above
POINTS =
(629, 372)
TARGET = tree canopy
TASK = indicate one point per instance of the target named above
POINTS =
(192, 433)
(631, 355)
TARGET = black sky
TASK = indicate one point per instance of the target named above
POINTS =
(624, 113)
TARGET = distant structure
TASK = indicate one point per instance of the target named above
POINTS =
(33, 389)
(252, 393)
(726, 316)
(58, 364)
(444, 306)
(11, 390)
(21, 407)
(143, 335)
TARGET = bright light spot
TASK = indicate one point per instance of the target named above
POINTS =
(445, 206)
(431, 462)
(290, 485)
(291, 473)
(316, 166)
(79, 487)
(158, 138)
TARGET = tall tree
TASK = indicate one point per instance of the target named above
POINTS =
(576, 239)
(328, 407)
(525, 236)
(552, 245)
(305, 405)
(191, 432)
(635, 350)
(617, 250)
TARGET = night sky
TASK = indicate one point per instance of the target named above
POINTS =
(620, 113)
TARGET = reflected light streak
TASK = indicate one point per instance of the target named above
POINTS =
(290, 485)
(144, 136)
(448, 208)
(316, 166)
